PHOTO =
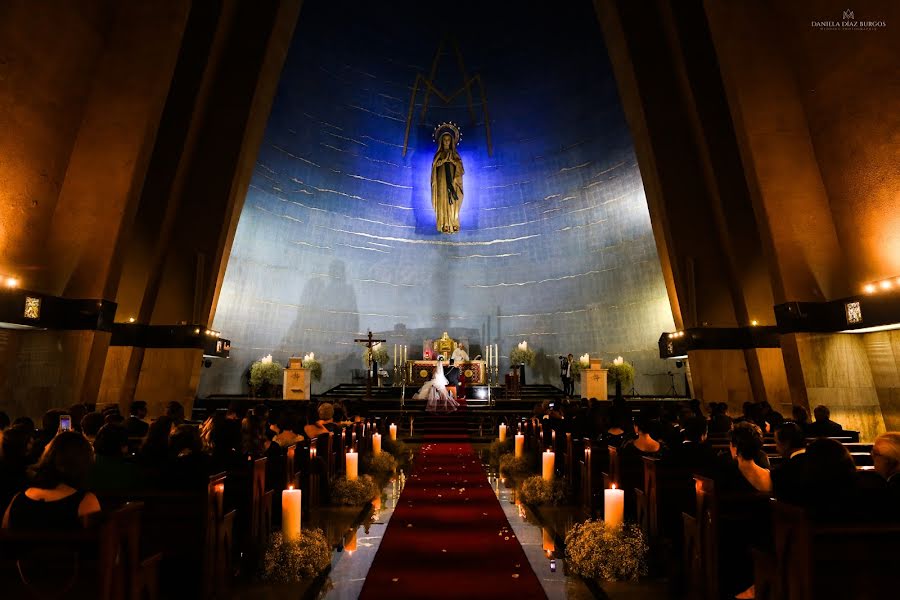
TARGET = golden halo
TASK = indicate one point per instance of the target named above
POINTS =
(448, 127)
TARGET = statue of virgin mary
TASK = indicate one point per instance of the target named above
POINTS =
(447, 179)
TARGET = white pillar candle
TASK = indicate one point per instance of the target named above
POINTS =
(393, 429)
(520, 445)
(290, 513)
(549, 463)
(496, 354)
(502, 432)
(376, 444)
(352, 465)
(613, 507)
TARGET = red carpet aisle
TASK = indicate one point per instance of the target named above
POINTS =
(448, 537)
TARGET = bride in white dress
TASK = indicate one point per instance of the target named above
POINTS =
(435, 391)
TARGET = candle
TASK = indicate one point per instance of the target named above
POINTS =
(549, 462)
(393, 429)
(547, 542)
(613, 506)
(350, 544)
(352, 465)
(290, 513)
(376, 444)
(502, 432)
(496, 354)
(520, 445)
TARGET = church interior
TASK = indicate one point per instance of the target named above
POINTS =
(333, 299)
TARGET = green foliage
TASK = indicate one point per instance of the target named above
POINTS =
(623, 372)
(383, 464)
(594, 550)
(379, 355)
(291, 561)
(499, 448)
(315, 368)
(536, 491)
(510, 466)
(522, 357)
(262, 373)
(353, 493)
(397, 448)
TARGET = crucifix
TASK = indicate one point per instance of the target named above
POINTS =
(370, 342)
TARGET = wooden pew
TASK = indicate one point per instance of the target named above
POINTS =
(716, 535)
(815, 558)
(192, 532)
(105, 561)
(668, 492)
(591, 466)
(246, 493)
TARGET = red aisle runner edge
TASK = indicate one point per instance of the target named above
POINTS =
(448, 536)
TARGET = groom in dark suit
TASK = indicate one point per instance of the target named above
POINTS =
(452, 373)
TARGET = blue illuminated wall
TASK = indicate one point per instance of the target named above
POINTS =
(337, 233)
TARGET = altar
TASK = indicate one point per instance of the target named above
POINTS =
(420, 371)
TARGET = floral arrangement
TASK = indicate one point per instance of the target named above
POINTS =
(535, 490)
(314, 366)
(510, 466)
(289, 561)
(522, 355)
(594, 550)
(499, 448)
(379, 355)
(621, 372)
(397, 448)
(265, 371)
(382, 464)
(357, 492)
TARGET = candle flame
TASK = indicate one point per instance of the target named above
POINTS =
(613, 486)
(290, 487)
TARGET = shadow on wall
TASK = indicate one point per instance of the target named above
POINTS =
(336, 300)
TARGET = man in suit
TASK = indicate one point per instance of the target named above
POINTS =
(824, 426)
(135, 424)
(565, 373)
(695, 452)
(452, 373)
(789, 477)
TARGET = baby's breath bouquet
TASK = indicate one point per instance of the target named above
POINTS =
(510, 466)
(522, 356)
(290, 561)
(499, 448)
(382, 464)
(536, 491)
(597, 551)
(353, 493)
(379, 355)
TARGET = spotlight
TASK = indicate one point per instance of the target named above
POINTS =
(12, 282)
(886, 285)
(131, 319)
(869, 288)
(754, 322)
(196, 331)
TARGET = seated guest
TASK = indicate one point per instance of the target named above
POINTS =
(695, 452)
(188, 466)
(155, 449)
(771, 416)
(886, 457)
(49, 429)
(136, 423)
(15, 452)
(644, 443)
(832, 486)
(326, 418)
(91, 424)
(224, 445)
(746, 446)
(617, 433)
(800, 416)
(175, 411)
(111, 470)
(25, 422)
(789, 477)
(719, 421)
(668, 429)
(286, 430)
(253, 438)
(824, 426)
(76, 413)
(57, 499)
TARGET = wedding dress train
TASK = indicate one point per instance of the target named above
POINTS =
(435, 391)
